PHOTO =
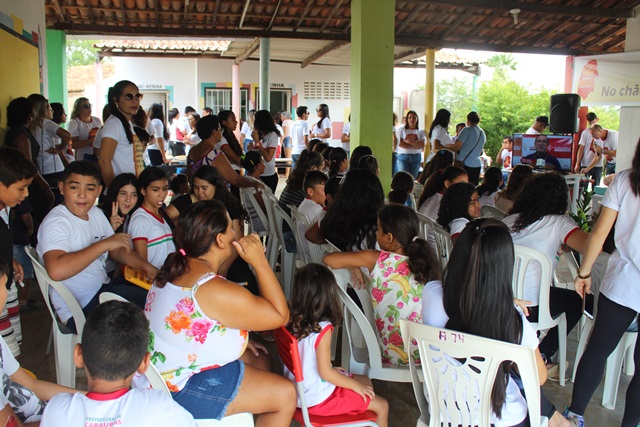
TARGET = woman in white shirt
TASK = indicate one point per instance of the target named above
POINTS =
(157, 150)
(619, 300)
(265, 139)
(322, 129)
(247, 130)
(411, 143)
(83, 128)
(121, 150)
(438, 132)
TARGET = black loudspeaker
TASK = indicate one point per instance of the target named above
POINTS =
(564, 113)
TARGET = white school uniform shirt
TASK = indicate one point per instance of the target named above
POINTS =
(218, 146)
(62, 230)
(621, 282)
(326, 124)
(431, 206)
(514, 409)
(441, 135)
(288, 123)
(346, 129)
(154, 230)
(316, 390)
(47, 138)
(246, 131)
(488, 199)
(123, 156)
(270, 140)
(610, 143)
(588, 142)
(80, 129)
(314, 212)
(545, 235)
(124, 408)
(299, 130)
(156, 129)
(457, 225)
(402, 134)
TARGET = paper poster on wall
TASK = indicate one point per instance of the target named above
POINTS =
(608, 79)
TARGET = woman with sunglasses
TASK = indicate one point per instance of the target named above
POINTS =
(121, 150)
(322, 129)
(83, 128)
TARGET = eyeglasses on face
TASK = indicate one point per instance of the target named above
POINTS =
(130, 96)
(87, 106)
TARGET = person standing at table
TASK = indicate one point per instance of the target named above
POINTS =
(608, 145)
(588, 161)
(541, 123)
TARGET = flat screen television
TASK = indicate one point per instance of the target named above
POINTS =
(560, 147)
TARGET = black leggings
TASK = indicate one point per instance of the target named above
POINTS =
(271, 181)
(473, 174)
(611, 323)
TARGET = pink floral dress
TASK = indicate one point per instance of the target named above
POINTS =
(395, 295)
(184, 341)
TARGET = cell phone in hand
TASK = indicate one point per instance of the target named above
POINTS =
(584, 311)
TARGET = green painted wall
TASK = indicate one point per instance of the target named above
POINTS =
(372, 41)
(57, 67)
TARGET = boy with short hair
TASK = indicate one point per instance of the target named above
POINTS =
(74, 240)
(299, 134)
(114, 347)
(313, 205)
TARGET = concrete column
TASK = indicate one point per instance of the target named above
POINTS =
(629, 116)
(235, 94)
(429, 94)
(265, 53)
(372, 42)
(56, 41)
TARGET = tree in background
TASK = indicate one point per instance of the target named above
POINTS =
(455, 95)
(80, 52)
(608, 117)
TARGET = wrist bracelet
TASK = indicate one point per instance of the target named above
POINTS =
(583, 277)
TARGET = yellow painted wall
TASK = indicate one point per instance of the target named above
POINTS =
(19, 74)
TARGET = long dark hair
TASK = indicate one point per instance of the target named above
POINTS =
(114, 93)
(401, 187)
(196, 231)
(228, 134)
(634, 176)
(359, 152)
(145, 179)
(324, 113)
(263, 123)
(455, 203)
(402, 222)
(545, 194)
(336, 157)
(477, 291)
(435, 183)
(490, 182)
(306, 161)
(406, 126)
(518, 179)
(352, 218)
(113, 190)
(315, 299)
(18, 112)
(442, 118)
(441, 160)
(232, 203)
(156, 111)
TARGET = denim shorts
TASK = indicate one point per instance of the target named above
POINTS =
(207, 394)
(21, 256)
(286, 142)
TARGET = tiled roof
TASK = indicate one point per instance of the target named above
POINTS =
(81, 76)
(174, 46)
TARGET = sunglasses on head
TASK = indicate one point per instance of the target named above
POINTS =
(130, 96)
(87, 106)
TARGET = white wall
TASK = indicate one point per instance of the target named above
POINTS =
(629, 116)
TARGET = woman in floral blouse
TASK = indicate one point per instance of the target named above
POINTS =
(199, 322)
(403, 274)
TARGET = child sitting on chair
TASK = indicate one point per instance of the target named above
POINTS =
(114, 347)
(313, 205)
(22, 397)
(315, 311)
(73, 242)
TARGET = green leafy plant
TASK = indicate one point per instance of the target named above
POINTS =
(583, 218)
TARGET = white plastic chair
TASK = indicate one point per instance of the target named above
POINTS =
(523, 257)
(493, 212)
(453, 386)
(443, 244)
(288, 259)
(64, 340)
(110, 296)
(272, 249)
(417, 191)
(249, 200)
(365, 358)
(244, 419)
(316, 251)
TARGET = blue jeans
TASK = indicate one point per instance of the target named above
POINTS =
(294, 160)
(610, 168)
(394, 163)
(409, 163)
(286, 142)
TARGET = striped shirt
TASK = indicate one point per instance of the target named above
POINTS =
(154, 230)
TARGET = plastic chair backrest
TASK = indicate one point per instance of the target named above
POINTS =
(523, 257)
(425, 224)
(443, 244)
(417, 191)
(459, 371)
(110, 296)
(493, 212)
(155, 379)
(269, 202)
(281, 216)
(45, 282)
(255, 213)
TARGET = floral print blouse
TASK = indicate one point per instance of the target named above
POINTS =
(395, 295)
(184, 341)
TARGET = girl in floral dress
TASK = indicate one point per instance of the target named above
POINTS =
(199, 322)
(403, 273)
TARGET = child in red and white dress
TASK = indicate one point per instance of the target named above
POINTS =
(315, 310)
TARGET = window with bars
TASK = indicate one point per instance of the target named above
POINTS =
(327, 90)
(220, 99)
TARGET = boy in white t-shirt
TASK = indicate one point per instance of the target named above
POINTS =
(114, 347)
(75, 239)
(299, 134)
(313, 205)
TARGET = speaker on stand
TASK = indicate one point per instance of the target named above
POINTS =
(564, 113)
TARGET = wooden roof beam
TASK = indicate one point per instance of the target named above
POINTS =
(275, 13)
(409, 54)
(244, 13)
(93, 20)
(320, 53)
(214, 20)
(411, 17)
(185, 11)
(331, 14)
(553, 9)
(58, 9)
(124, 14)
(304, 13)
(253, 46)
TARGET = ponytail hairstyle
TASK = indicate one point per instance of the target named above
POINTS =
(442, 118)
(196, 231)
(114, 93)
(402, 222)
(490, 182)
(436, 182)
(264, 123)
(370, 163)
(315, 299)
(337, 156)
(634, 176)
(40, 105)
(306, 161)
(441, 160)
(228, 134)
(324, 108)
(157, 112)
(455, 204)
(251, 160)
(173, 113)
(477, 291)
(401, 187)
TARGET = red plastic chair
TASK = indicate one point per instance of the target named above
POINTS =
(288, 350)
